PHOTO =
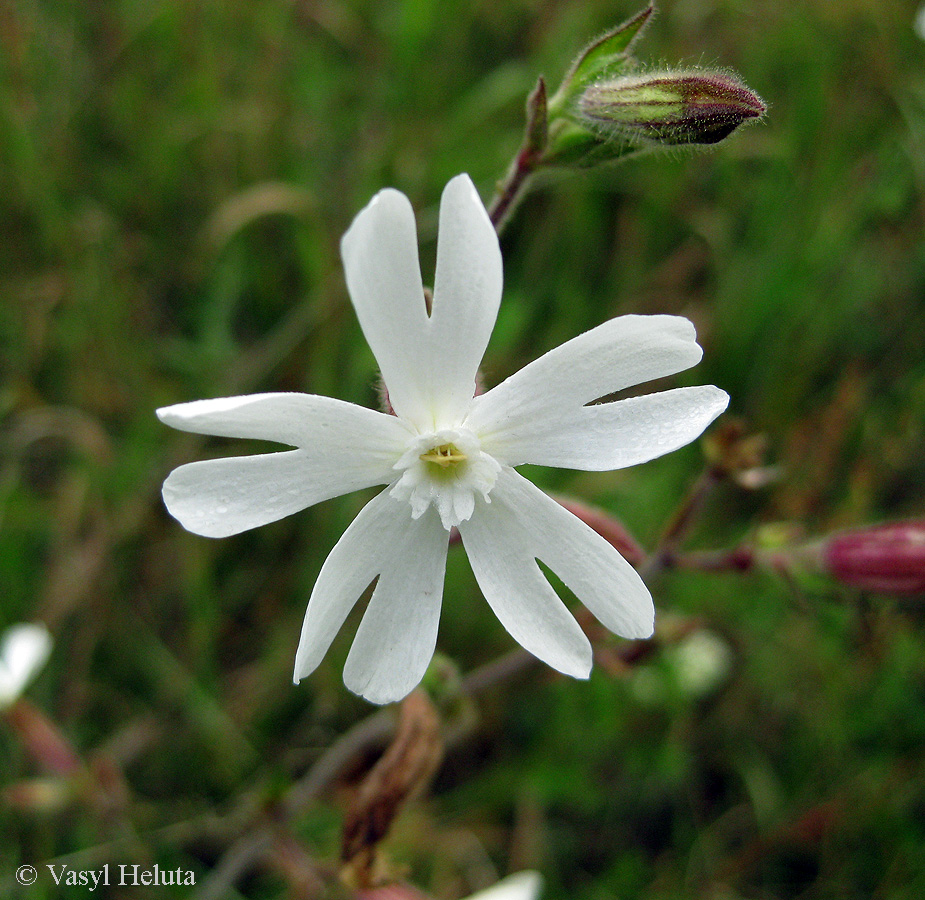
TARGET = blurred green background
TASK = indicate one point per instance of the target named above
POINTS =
(174, 180)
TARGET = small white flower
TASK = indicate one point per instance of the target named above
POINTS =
(24, 649)
(448, 457)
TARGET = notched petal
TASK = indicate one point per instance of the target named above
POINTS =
(396, 638)
(526, 523)
(545, 413)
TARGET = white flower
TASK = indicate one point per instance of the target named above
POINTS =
(24, 649)
(448, 457)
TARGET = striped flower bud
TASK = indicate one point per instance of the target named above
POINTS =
(668, 107)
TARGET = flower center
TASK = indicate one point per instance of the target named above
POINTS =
(444, 456)
(445, 469)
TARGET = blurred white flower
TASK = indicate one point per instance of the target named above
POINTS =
(448, 457)
(24, 649)
(702, 661)
(919, 22)
(694, 667)
(520, 886)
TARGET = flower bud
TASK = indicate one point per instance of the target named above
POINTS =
(668, 107)
(888, 558)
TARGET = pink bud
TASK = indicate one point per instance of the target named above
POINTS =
(607, 526)
(888, 558)
(391, 892)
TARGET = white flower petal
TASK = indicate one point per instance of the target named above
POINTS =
(302, 420)
(24, 649)
(622, 352)
(467, 292)
(396, 638)
(612, 435)
(588, 565)
(504, 563)
(221, 497)
(520, 886)
(343, 448)
(358, 557)
(380, 254)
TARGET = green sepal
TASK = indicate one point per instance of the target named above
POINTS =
(608, 55)
(571, 146)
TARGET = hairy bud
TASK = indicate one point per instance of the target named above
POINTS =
(605, 110)
(671, 108)
(608, 527)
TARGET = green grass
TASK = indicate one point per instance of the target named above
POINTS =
(174, 181)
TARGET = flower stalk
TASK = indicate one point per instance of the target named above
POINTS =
(527, 160)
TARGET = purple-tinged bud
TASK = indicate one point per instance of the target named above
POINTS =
(608, 527)
(888, 558)
(668, 107)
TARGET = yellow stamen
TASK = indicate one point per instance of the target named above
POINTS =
(444, 455)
